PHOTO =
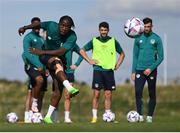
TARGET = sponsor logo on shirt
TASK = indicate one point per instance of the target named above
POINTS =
(35, 40)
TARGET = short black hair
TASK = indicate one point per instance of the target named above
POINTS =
(104, 24)
(35, 19)
(147, 20)
(67, 18)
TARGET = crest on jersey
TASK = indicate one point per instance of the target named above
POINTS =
(140, 41)
(152, 41)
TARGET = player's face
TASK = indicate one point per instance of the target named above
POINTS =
(103, 31)
(147, 28)
(64, 27)
(36, 30)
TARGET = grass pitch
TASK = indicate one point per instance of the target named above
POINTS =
(160, 124)
(166, 116)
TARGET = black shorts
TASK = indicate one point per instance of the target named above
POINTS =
(33, 72)
(103, 80)
(56, 83)
(59, 85)
(70, 77)
(45, 58)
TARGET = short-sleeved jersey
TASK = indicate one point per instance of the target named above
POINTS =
(35, 41)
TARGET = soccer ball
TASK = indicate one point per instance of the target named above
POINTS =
(36, 118)
(133, 27)
(108, 116)
(12, 117)
(133, 116)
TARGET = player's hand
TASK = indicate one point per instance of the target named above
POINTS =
(117, 66)
(147, 72)
(21, 31)
(93, 62)
(41, 70)
(73, 67)
(36, 51)
(46, 73)
(133, 76)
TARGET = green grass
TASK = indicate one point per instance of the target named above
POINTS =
(159, 125)
(166, 116)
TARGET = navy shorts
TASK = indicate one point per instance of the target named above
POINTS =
(45, 58)
(59, 85)
(70, 77)
(103, 80)
(33, 72)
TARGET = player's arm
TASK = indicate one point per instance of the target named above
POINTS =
(43, 25)
(79, 60)
(135, 58)
(31, 26)
(83, 53)
(69, 44)
(121, 55)
(57, 52)
(160, 54)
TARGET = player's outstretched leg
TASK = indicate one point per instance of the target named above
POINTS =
(56, 64)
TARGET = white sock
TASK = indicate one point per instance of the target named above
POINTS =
(94, 113)
(149, 117)
(67, 85)
(107, 110)
(50, 111)
(34, 102)
(26, 115)
(30, 113)
(66, 114)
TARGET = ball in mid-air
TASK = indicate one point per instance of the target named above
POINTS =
(133, 27)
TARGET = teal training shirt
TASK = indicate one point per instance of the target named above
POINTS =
(147, 52)
(54, 40)
(68, 57)
(89, 46)
(35, 41)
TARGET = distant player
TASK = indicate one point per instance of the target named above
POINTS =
(147, 56)
(36, 72)
(104, 63)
